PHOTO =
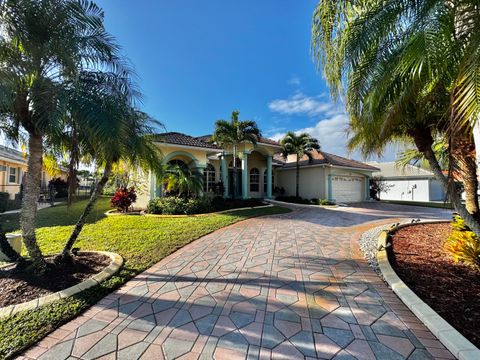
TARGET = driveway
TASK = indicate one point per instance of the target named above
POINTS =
(291, 286)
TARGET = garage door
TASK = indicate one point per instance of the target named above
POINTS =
(347, 189)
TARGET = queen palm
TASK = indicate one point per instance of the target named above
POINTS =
(43, 46)
(400, 66)
(232, 133)
(299, 145)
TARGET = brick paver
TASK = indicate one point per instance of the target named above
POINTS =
(283, 287)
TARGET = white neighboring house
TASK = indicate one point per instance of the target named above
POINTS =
(410, 183)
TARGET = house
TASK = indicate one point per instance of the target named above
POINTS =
(261, 169)
(13, 166)
(409, 183)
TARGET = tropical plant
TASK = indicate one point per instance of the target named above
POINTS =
(44, 46)
(299, 145)
(123, 198)
(463, 245)
(412, 156)
(379, 185)
(182, 181)
(399, 64)
(233, 133)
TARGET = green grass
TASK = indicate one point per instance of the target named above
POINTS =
(142, 241)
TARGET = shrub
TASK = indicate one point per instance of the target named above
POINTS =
(60, 186)
(174, 205)
(4, 199)
(325, 202)
(123, 198)
(463, 244)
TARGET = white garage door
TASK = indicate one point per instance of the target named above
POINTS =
(347, 189)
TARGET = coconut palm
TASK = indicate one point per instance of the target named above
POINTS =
(399, 64)
(43, 46)
(232, 133)
(299, 145)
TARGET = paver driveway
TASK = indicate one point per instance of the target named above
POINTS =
(292, 286)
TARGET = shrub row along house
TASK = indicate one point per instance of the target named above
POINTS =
(263, 171)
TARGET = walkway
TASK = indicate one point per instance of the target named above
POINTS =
(291, 286)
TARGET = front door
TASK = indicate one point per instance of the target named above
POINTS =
(239, 183)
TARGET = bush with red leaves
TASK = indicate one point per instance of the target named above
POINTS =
(123, 198)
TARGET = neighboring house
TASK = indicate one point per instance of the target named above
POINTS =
(261, 169)
(409, 183)
(13, 166)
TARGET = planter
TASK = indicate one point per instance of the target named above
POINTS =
(452, 339)
(15, 241)
(109, 271)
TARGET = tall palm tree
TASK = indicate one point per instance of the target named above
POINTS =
(43, 46)
(399, 62)
(232, 133)
(298, 145)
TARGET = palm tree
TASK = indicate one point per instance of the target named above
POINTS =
(298, 145)
(400, 66)
(232, 133)
(183, 180)
(129, 137)
(43, 46)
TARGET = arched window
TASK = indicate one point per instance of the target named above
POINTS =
(254, 180)
(209, 178)
(265, 181)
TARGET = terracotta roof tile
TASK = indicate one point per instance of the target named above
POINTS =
(182, 139)
(321, 157)
(262, 140)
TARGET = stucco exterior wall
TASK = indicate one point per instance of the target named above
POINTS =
(5, 184)
(312, 182)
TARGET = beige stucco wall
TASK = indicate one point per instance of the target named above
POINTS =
(312, 182)
(170, 152)
(5, 185)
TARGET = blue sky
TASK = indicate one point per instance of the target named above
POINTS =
(199, 60)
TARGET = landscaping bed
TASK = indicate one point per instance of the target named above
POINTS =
(17, 286)
(303, 201)
(451, 289)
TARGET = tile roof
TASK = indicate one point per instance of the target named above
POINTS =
(323, 158)
(262, 140)
(182, 139)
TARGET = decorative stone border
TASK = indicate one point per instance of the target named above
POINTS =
(193, 215)
(284, 203)
(455, 342)
(108, 272)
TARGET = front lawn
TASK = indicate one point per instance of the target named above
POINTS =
(142, 241)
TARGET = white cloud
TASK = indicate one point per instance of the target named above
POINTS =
(300, 104)
(294, 80)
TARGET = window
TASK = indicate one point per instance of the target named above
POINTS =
(254, 180)
(265, 181)
(209, 178)
(13, 175)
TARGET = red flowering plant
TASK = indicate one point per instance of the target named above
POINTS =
(123, 198)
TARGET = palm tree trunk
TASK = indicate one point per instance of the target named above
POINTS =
(463, 152)
(72, 168)
(31, 194)
(297, 179)
(424, 141)
(88, 209)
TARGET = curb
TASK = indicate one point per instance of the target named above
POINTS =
(207, 214)
(452, 339)
(108, 272)
(306, 206)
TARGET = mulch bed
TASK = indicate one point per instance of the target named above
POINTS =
(18, 286)
(451, 289)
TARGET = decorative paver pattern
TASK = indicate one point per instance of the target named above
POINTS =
(291, 286)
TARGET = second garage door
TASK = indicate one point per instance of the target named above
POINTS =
(347, 189)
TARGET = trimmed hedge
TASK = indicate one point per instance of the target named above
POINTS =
(173, 205)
